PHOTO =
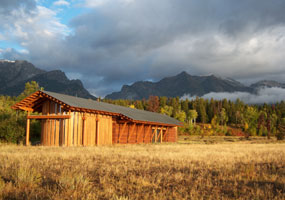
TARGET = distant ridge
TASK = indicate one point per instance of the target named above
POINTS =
(14, 75)
(179, 85)
(267, 83)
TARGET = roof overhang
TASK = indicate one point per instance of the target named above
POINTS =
(34, 102)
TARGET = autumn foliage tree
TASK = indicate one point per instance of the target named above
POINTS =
(153, 104)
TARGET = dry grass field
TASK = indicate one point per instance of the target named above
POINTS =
(227, 170)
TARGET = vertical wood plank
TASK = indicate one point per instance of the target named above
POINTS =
(57, 128)
(48, 132)
(79, 133)
(84, 130)
(93, 130)
(52, 130)
(61, 132)
(75, 128)
(48, 124)
(71, 127)
(43, 125)
(68, 123)
(110, 130)
(97, 132)
(88, 136)
(175, 130)
(28, 130)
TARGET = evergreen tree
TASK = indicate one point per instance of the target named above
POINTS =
(30, 88)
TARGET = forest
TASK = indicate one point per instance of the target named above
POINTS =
(199, 116)
(216, 117)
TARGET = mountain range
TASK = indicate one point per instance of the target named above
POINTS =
(185, 83)
(14, 75)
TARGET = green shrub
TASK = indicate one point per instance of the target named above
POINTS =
(12, 131)
(280, 135)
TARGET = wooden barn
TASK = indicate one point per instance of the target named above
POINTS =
(73, 121)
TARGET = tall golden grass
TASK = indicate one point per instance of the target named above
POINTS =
(165, 171)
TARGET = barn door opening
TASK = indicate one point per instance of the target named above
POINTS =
(155, 134)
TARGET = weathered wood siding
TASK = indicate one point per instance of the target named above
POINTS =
(81, 129)
(132, 133)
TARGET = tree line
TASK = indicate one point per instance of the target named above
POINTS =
(254, 120)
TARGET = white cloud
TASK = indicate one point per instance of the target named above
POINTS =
(61, 3)
(264, 95)
(24, 51)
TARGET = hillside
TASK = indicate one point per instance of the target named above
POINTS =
(14, 75)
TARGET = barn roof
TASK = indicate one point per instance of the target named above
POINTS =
(130, 113)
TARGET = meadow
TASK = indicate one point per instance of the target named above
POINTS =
(224, 169)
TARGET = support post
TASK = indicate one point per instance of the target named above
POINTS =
(69, 139)
(161, 132)
(121, 132)
(97, 132)
(28, 131)
(84, 130)
(155, 135)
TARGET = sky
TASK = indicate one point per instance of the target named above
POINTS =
(109, 43)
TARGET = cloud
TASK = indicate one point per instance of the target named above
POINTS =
(8, 6)
(117, 42)
(61, 3)
(264, 95)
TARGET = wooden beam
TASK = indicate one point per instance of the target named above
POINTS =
(28, 131)
(49, 117)
(139, 132)
(122, 132)
(166, 132)
(146, 132)
(131, 132)
(26, 109)
(154, 134)
(156, 123)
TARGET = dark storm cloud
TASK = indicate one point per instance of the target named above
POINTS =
(118, 43)
(7, 6)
